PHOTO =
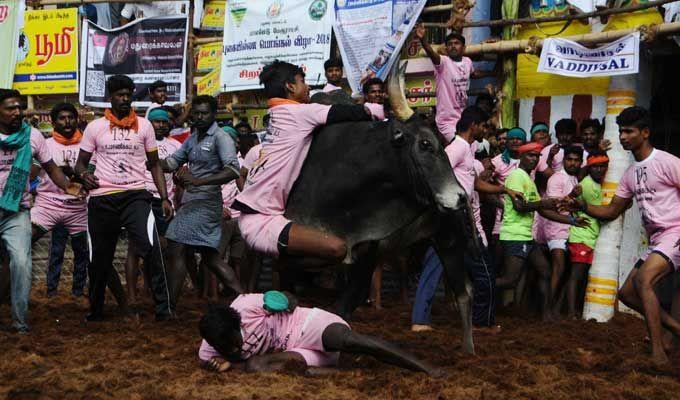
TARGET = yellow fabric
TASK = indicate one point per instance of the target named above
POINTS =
(531, 83)
(628, 21)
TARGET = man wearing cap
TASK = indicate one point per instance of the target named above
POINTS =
(160, 120)
(516, 233)
(540, 133)
(582, 239)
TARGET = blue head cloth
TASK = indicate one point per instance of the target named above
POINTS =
(514, 133)
(275, 301)
(158, 113)
(231, 131)
(539, 128)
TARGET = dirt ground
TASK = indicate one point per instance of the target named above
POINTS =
(136, 358)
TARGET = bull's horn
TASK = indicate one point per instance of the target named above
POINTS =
(395, 91)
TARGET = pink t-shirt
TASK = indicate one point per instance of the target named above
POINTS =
(284, 150)
(462, 160)
(475, 204)
(49, 195)
(166, 147)
(560, 184)
(252, 156)
(121, 154)
(377, 110)
(40, 153)
(556, 162)
(263, 332)
(453, 82)
(655, 184)
(229, 193)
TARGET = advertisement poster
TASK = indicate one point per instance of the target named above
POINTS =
(421, 84)
(259, 31)
(568, 58)
(370, 35)
(209, 84)
(209, 57)
(213, 16)
(146, 50)
(48, 62)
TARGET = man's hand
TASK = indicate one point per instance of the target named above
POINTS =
(581, 222)
(88, 180)
(550, 203)
(292, 301)
(419, 31)
(185, 178)
(226, 214)
(515, 195)
(576, 191)
(571, 204)
(168, 211)
(605, 145)
(217, 364)
(76, 189)
(553, 151)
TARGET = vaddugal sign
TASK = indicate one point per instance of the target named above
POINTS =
(48, 53)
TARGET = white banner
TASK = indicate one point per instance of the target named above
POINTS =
(568, 58)
(370, 34)
(256, 32)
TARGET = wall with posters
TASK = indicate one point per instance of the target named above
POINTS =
(213, 16)
(48, 63)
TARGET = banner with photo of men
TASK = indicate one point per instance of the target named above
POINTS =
(146, 50)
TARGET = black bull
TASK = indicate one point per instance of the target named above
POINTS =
(383, 186)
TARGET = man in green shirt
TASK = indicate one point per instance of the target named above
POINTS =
(582, 239)
(516, 235)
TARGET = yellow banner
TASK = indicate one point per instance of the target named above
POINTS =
(209, 84)
(213, 16)
(209, 57)
(421, 84)
(47, 62)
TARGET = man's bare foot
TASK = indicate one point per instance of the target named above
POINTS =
(487, 330)
(421, 328)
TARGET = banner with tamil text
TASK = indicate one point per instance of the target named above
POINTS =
(370, 35)
(568, 58)
(48, 61)
(258, 31)
(146, 50)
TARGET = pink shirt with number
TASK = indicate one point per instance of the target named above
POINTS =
(40, 153)
(453, 82)
(475, 204)
(284, 150)
(462, 160)
(560, 184)
(166, 147)
(49, 195)
(655, 184)
(121, 154)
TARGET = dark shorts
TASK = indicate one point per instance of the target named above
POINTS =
(161, 222)
(517, 248)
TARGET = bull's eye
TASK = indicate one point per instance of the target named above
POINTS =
(426, 145)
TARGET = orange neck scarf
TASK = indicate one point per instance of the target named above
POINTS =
(75, 139)
(278, 101)
(129, 122)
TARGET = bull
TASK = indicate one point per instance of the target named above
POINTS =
(383, 186)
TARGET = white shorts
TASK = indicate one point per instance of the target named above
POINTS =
(559, 244)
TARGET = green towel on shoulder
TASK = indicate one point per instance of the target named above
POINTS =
(15, 186)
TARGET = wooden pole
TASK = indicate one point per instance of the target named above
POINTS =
(520, 21)
(190, 53)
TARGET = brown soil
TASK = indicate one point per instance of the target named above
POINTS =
(136, 358)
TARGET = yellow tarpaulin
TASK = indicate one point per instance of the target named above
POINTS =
(48, 53)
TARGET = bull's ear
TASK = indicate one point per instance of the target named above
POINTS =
(398, 137)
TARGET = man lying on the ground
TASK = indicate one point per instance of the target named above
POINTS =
(269, 332)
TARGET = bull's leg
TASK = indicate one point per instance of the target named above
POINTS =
(458, 280)
(359, 285)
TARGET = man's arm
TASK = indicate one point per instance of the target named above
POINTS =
(485, 187)
(57, 175)
(563, 219)
(159, 181)
(547, 203)
(220, 178)
(348, 113)
(420, 34)
(609, 212)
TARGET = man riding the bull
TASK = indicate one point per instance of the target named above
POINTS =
(284, 148)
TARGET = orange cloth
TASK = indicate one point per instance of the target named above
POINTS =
(75, 139)
(531, 146)
(278, 101)
(597, 160)
(129, 122)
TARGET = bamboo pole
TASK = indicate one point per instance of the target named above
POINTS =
(190, 52)
(521, 46)
(519, 21)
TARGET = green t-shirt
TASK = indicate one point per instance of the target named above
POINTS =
(592, 194)
(517, 225)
